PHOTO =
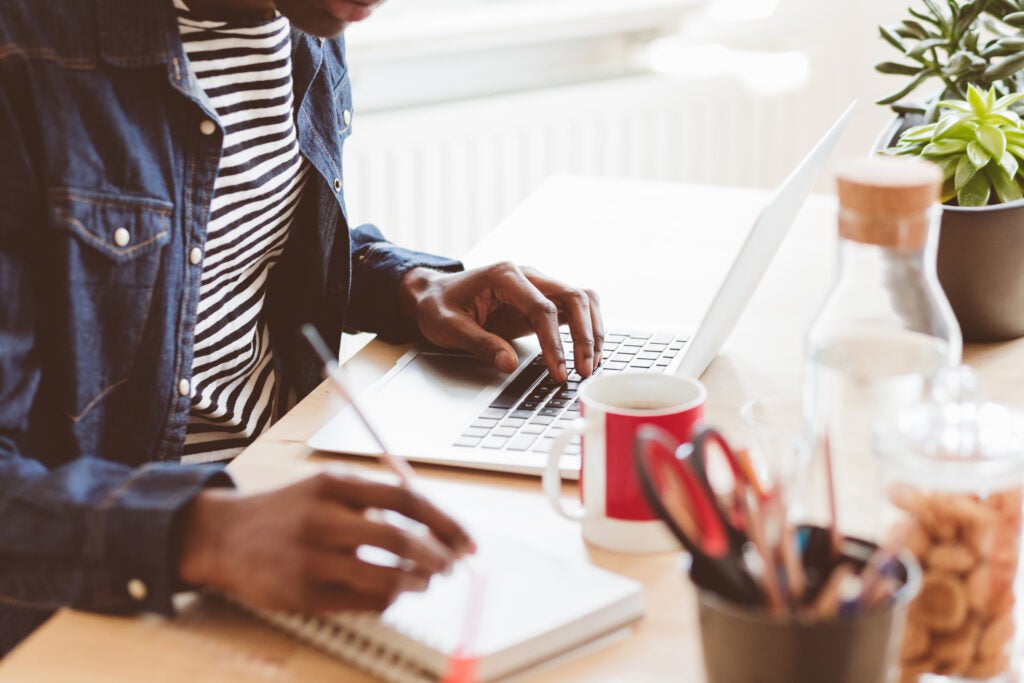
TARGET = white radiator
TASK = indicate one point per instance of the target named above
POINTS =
(438, 177)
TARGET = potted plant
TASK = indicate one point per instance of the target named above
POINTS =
(975, 49)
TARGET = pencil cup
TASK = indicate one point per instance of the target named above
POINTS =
(744, 644)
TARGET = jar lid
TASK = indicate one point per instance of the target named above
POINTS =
(955, 436)
(885, 200)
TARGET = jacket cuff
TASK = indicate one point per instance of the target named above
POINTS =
(135, 535)
(377, 268)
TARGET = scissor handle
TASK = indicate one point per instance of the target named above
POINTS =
(712, 535)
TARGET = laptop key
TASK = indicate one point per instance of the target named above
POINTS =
(542, 420)
(504, 431)
(532, 429)
(513, 422)
(520, 414)
(485, 422)
(495, 442)
(662, 337)
(543, 445)
(467, 442)
(642, 364)
(521, 442)
(475, 432)
(550, 412)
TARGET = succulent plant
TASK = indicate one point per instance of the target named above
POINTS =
(978, 144)
(960, 43)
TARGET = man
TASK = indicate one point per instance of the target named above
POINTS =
(171, 212)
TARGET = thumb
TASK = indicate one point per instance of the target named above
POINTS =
(466, 334)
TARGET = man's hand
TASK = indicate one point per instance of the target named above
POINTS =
(479, 310)
(295, 548)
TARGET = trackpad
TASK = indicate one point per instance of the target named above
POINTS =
(455, 377)
(425, 404)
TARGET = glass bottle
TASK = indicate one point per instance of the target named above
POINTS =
(884, 330)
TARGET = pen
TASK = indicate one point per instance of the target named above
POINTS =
(400, 467)
(826, 603)
(769, 577)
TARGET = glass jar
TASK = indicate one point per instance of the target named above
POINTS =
(884, 329)
(952, 472)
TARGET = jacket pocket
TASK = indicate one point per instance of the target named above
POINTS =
(120, 228)
(108, 249)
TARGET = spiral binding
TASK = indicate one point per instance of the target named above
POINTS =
(361, 640)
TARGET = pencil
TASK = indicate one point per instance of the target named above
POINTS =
(399, 466)
(836, 541)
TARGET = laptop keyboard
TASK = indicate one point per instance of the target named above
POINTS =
(533, 409)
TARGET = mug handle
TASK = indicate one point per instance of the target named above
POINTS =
(552, 479)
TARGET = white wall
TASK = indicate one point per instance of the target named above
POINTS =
(841, 39)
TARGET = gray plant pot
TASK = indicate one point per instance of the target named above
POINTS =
(980, 263)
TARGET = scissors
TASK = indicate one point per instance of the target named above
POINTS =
(718, 529)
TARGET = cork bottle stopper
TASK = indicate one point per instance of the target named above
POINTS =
(885, 200)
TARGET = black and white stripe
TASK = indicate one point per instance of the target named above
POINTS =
(245, 71)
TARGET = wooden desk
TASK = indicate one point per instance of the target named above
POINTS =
(623, 238)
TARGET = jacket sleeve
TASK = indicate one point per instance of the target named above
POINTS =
(377, 266)
(90, 533)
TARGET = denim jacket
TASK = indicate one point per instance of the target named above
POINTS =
(103, 133)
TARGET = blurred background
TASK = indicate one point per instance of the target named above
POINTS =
(462, 107)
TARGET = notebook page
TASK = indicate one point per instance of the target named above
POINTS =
(532, 601)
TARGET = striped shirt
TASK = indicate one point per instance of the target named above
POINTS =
(245, 71)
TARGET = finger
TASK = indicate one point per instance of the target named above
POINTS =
(461, 331)
(597, 325)
(360, 493)
(363, 577)
(326, 597)
(576, 311)
(334, 599)
(575, 307)
(336, 527)
(513, 288)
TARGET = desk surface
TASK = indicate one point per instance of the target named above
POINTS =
(629, 240)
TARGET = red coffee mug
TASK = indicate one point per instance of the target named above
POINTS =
(614, 513)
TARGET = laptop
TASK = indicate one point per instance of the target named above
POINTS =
(447, 408)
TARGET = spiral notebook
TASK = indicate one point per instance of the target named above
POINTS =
(536, 606)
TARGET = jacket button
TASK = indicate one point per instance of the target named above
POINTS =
(137, 589)
(195, 257)
(207, 127)
(122, 237)
(346, 116)
(184, 387)
(337, 184)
